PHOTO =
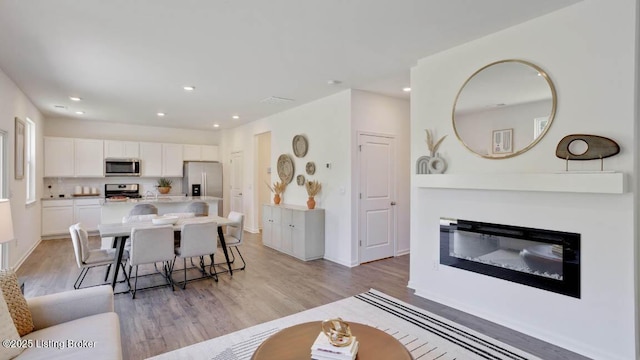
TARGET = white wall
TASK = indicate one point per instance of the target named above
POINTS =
(26, 218)
(331, 125)
(588, 50)
(379, 114)
(326, 124)
(68, 127)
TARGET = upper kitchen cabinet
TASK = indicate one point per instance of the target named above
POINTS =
(200, 153)
(161, 159)
(150, 159)
(89, 158)
(121, 149)
(172, 160)
(58, 157)
(67, 157)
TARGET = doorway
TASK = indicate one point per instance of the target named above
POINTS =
(237, 163)
(377, 193)
(263, 173)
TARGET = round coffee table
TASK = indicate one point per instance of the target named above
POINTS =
(295, 343)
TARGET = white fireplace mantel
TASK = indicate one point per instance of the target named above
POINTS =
(570, 182)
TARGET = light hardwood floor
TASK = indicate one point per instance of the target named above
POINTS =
(272, 286)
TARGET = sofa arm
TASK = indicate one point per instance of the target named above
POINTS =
(58, 308)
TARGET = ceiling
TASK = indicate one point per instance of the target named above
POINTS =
(129, 60)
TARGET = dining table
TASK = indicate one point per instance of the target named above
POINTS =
(122, 231)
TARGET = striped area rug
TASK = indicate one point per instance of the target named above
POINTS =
(426, 335)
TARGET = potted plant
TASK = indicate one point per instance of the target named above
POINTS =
(164, 185)
(277, 188)
(313, 188)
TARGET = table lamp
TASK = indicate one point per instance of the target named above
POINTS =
(6, 223)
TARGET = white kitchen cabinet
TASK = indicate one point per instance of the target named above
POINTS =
(200, 152)
(59, 157)
(172, 161)
(151, 159)
(121, 149)
(88, 213)
(89, 158)
(294, 230)
(57, 216)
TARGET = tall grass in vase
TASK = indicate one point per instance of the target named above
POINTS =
(313, 188)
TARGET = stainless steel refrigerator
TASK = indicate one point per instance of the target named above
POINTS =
(205, 177)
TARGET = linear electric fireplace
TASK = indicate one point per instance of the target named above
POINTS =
(544, 259)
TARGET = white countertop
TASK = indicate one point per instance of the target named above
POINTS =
(164, 199)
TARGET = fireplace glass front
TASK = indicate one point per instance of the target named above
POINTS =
(540, 258)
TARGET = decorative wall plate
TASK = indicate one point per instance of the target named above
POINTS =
(300, 146)
(310, 168)
(300, 180)
(285, 168)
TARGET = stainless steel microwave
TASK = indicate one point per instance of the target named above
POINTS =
(121, 167)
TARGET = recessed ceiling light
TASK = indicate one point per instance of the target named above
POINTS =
(406, 89)
(161, 114)
(236, 117)
(79, 112)
(216, 125)
(189, 88)
(75, 98)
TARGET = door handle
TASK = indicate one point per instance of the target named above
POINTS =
(393, 203)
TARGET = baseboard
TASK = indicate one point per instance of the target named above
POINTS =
(26, 255)
(403, 252)
(340, 262)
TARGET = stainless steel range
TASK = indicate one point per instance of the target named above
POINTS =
(122, 191)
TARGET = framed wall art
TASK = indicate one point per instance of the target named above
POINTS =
(502, 141)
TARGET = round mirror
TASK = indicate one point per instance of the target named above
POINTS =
(504, 109)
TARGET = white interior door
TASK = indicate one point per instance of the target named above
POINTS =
(236, 181)
(377, 221)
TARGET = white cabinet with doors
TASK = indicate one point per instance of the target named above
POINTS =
(172, 161)
(200, 152)
(59, 157)
(121, 149)
(294, 230)
(150, 159)
(68, 157)
(89, 158)
(57, 216)
(87, 212)
(271, 228)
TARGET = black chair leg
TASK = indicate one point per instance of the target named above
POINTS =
(106, 276)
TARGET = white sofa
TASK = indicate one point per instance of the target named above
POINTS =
(78, 324)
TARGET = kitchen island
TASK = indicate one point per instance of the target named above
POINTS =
(114, 211)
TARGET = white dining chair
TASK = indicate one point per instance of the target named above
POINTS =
(198, 240)
(151, 245)
(233, 236)
(86, 258)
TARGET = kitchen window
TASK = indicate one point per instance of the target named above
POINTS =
(30, 158)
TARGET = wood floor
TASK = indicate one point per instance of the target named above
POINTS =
(272, 286)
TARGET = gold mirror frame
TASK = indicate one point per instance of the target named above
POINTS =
(542, 133)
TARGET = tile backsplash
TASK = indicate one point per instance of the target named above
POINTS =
(67, 186)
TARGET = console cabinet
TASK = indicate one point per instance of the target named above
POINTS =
(294, 230)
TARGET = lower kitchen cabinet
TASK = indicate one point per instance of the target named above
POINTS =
(87, 212)
(58, 215)
(294, 230)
